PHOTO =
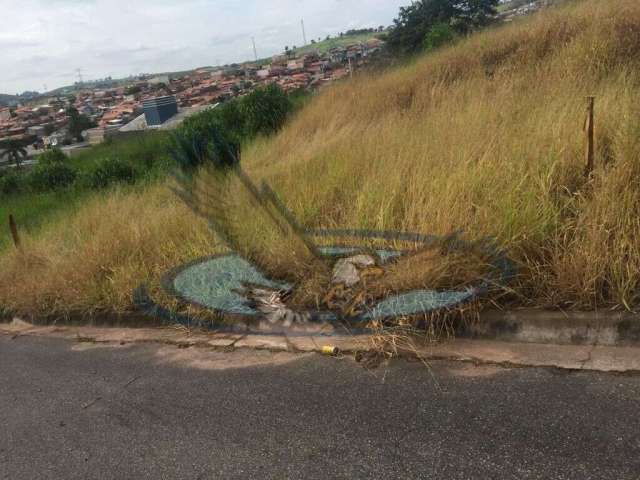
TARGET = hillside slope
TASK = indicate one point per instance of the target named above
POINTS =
(484, 137)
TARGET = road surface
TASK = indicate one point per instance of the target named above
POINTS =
(74, 410)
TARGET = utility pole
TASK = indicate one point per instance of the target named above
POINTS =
(255, 52)
(304, 33)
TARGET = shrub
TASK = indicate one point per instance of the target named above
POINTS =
(220, 131)
(10, 183)
(226, 117)
(51, 157)
(216, 132)
(111, 170)
(51, 176)
(265, 110)
(439, 35)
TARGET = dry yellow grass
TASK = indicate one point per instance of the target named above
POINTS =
(485, 136)
(95, 260)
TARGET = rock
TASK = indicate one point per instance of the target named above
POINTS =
(345, 271)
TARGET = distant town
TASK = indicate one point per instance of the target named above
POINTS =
(146, 102)
(43, 121)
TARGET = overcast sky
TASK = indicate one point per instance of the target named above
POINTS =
(43, 42)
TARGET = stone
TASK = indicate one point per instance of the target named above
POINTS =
(345, 271)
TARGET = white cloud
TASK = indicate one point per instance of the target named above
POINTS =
(45, 41)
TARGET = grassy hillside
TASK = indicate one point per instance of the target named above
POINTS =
(334, 42)
(485, 136)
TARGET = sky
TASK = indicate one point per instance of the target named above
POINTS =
(44, 42)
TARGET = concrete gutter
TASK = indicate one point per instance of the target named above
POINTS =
(567, 357)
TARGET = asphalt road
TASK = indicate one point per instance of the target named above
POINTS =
(70, 410)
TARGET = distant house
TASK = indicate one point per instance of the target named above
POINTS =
(264, 73)
(5, 114)
(36, 131)
(296, 65)
(159, 79)
(279, 60)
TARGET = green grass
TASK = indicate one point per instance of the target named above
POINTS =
(33, 211)
(147, 153)
(325, 45)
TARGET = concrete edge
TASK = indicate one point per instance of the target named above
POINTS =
(526, 326)
(508, 355)
(556, 327)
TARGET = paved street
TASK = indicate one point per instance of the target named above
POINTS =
(73, 410)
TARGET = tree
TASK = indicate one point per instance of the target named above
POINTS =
(440, 34)
(14, 150)
(78, 123)
(418, 20)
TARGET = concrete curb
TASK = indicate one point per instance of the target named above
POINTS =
(508, 355)
(560, 328)
(526, 326)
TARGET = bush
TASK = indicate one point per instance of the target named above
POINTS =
(10, 183)
(111, 170)
(439, 35)
(51, 176)
(52, 156)
(265, 110)
(226, 117)
(262, 112)
(217, 132)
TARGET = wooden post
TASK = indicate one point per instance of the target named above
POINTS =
(588, 127)
(14, 231)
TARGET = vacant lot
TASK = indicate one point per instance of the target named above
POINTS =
(485, 136)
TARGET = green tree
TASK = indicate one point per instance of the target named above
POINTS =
(416, 21)
(78, 123)
(14, 150)
(439, 35)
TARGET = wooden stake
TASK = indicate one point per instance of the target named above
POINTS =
(588, 127)
(14, 231)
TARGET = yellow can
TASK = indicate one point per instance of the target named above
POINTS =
(330, 350)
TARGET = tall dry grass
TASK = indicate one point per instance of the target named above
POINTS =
(485, 136)
(94, 260)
